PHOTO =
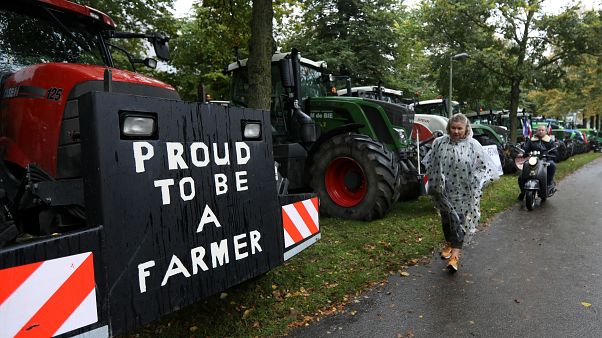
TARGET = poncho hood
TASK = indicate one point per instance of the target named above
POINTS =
(466, 138)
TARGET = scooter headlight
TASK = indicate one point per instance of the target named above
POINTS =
(533, 160)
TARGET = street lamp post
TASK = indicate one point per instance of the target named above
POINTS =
(460, 57)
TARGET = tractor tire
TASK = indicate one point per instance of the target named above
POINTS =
(355, 177)
(562, 151)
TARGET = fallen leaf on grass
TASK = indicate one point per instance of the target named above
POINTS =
(586, 304)
(193, 328)
(247, 313)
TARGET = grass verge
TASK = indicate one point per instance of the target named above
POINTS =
(319, 281)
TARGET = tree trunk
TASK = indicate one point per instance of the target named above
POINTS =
(260, 55)
(517, 79)
(514, 97)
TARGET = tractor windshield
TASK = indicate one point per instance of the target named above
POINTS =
(312, 83)
(387, 97)
(32, 35)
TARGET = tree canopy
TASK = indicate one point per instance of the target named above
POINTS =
(510, 43)
(520, 55)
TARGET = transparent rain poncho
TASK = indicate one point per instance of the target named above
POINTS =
(457, 172)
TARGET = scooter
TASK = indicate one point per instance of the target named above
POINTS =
(535, 178)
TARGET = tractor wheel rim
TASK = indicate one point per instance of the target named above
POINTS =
(345, 182)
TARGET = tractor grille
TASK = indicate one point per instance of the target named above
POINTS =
(378, 124)
(399, 115)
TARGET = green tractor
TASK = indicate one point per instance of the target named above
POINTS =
(363, 160)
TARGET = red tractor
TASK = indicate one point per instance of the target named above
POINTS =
(53, 51)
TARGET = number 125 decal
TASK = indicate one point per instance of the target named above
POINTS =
(55, 94)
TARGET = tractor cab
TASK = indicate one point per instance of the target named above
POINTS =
(312, 83)
(53, 53)
(40, 32)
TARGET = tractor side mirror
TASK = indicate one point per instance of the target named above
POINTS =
(326, 77)
(150, 63)
(286, 73)
(161, 46)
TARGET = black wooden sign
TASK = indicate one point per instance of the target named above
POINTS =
(185, 213)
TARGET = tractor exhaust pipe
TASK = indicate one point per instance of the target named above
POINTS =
(108, 80)
(303, 127)
(295, 58)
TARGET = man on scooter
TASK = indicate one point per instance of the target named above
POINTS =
(542, 142)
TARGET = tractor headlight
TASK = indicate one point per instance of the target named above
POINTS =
(401, 133)
(251, 130)
(138, 125)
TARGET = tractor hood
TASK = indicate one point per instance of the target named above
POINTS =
(36, 100)
(67, 75)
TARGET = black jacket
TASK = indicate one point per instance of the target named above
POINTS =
(543, 144)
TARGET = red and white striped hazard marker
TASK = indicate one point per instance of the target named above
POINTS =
(48, 298)
(300, 221)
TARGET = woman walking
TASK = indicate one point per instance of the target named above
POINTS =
(457, 168)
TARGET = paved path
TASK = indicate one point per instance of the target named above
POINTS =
(526, 275)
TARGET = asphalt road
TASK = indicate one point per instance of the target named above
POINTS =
(529, 274)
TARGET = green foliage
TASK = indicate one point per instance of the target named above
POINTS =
(578, 89)
(137, 15)
(205, 44)
(356, 38)
(510, 42)
(514, 46)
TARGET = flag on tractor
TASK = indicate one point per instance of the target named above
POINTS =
(526, 128)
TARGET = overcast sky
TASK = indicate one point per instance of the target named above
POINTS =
(182, 7)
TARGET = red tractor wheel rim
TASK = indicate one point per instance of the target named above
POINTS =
(345, 182)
